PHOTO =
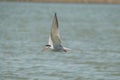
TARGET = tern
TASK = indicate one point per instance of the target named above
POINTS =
(55, 43)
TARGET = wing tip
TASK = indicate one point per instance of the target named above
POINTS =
(55, 14)
(55, 19)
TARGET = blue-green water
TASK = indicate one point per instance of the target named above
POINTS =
(92, 31)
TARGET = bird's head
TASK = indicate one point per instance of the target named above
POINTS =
(46, 47)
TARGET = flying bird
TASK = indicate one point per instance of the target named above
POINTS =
(55, 43)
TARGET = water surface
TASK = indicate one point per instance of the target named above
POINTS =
(92, 31)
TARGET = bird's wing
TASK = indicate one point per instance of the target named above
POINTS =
(55, 37)
(50, 41)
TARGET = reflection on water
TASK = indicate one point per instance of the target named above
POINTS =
(92, 32)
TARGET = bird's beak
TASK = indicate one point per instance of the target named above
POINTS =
(43, 49)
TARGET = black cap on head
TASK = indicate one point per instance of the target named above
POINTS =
(48, 45)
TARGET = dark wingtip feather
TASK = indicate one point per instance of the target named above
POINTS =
(56, 18)
(55, 14)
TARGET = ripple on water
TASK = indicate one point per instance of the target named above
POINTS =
(93, 38)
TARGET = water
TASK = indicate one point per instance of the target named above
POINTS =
(92, 31)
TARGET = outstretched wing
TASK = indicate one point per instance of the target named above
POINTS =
(50, 42)
(55, 37)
